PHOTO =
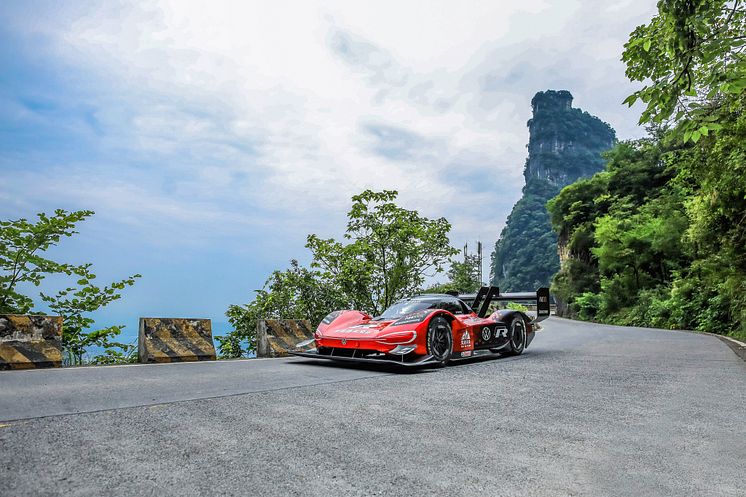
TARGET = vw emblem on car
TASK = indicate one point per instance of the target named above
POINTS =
(486, 333)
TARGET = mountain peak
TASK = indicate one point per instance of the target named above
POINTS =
(551, 100)
(564, 142)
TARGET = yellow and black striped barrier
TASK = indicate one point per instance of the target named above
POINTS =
(28, 342)
(175, 340)
(275, 337)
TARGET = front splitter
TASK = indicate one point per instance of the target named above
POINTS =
(426, 361)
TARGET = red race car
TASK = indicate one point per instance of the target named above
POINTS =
(429, 329)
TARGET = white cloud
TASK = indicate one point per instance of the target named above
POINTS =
(286, 109)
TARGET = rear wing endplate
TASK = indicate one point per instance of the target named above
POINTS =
(481, 301)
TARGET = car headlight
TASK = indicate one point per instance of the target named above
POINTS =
(398, 337)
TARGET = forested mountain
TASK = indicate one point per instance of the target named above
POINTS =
(659, 237)
(565, 144)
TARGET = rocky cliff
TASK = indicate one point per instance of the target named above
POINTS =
(565, 144)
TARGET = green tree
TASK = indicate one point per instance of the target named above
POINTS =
(390, 251)
(664, 230)
(22, 245)
(620, 230)
(463, 277)
(74, 303)
(525, 255)
(296, 293)
(691, 54)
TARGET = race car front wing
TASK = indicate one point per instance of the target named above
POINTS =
(361, 359)
(421, 361)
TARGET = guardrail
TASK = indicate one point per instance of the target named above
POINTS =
(274, 337)
(31, 341)
(175, 340)
(28, 342)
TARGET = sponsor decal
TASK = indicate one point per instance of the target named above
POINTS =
(466, 354)
(486, 333)
(362, 329)
(466, 340)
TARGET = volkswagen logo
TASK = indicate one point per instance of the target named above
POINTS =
(344, 341)
(486, 333)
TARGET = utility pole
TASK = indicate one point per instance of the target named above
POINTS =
(479, 257)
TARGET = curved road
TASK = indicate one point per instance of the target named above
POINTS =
(588, 410)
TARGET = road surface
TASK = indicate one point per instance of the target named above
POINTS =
(588, 410)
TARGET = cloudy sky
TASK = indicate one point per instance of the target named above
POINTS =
(212, 137)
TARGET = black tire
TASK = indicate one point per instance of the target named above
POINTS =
(440, 340)
(516, 336)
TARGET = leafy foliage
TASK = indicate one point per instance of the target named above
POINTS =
(692, 53)
(22, 244)
(525, 255)
(516, 306)
(296, 293)
(620, 230)
(73, 303)
(389, 253)
(463, 277)
(663, 229)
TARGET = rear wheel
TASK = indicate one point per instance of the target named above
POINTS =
(516, 335)
(439, 339)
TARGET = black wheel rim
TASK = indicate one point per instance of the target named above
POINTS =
(518, 334)
(440, 341)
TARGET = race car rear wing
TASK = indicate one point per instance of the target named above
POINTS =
(488, 294)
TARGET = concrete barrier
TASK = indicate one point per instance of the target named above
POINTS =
(274, 337)
(175, 340)
(28, 342)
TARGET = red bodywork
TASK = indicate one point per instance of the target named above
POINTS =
(356, 331)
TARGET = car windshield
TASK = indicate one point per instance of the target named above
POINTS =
(404, 307)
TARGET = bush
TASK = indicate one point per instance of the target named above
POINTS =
(587, 305)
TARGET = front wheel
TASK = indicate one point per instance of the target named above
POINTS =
(517, 336)
(439, 340)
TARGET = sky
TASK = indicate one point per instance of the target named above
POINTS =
(211, 138)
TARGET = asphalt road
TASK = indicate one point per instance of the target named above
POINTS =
(588, 410)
